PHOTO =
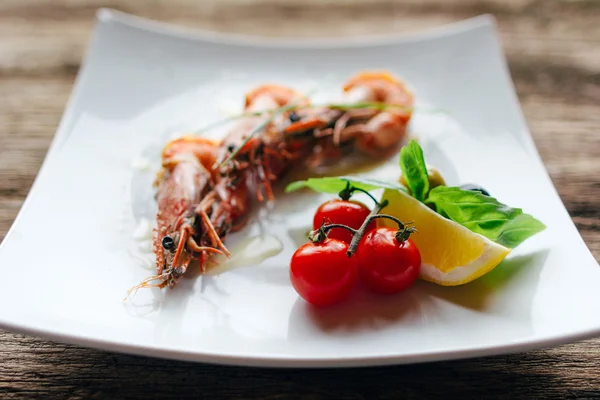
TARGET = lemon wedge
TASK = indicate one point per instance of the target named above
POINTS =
(451, 254)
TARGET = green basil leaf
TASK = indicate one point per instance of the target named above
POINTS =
(519, 229)
(414, 169)
(337, 184)
(484, 215)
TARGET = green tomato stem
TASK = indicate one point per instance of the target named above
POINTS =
(401, 225)
(321, 234)
(361, 231)
(404, 231)
(355, 189)
(346, 193)
(349, 189)
(402, 234)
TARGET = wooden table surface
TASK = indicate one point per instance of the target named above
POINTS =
(553, 48)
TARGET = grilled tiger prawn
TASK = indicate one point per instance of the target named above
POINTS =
(374, 131)
(204, 187)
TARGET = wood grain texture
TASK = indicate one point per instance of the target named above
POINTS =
(553, 48)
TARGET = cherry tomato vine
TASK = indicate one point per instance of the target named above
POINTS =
(346, 246)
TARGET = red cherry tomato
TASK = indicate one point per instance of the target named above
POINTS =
(385, 265)
(322, 273)
(346, 212)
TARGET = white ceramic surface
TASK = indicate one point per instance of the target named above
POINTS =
(69, 257)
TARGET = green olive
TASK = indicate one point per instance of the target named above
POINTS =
(434, 177)
(403, 182)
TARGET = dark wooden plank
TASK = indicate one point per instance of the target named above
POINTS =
(32, 368)
(553, 48)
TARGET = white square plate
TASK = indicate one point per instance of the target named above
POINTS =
(69, 257)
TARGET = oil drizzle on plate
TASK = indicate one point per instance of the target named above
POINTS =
(251, 250)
